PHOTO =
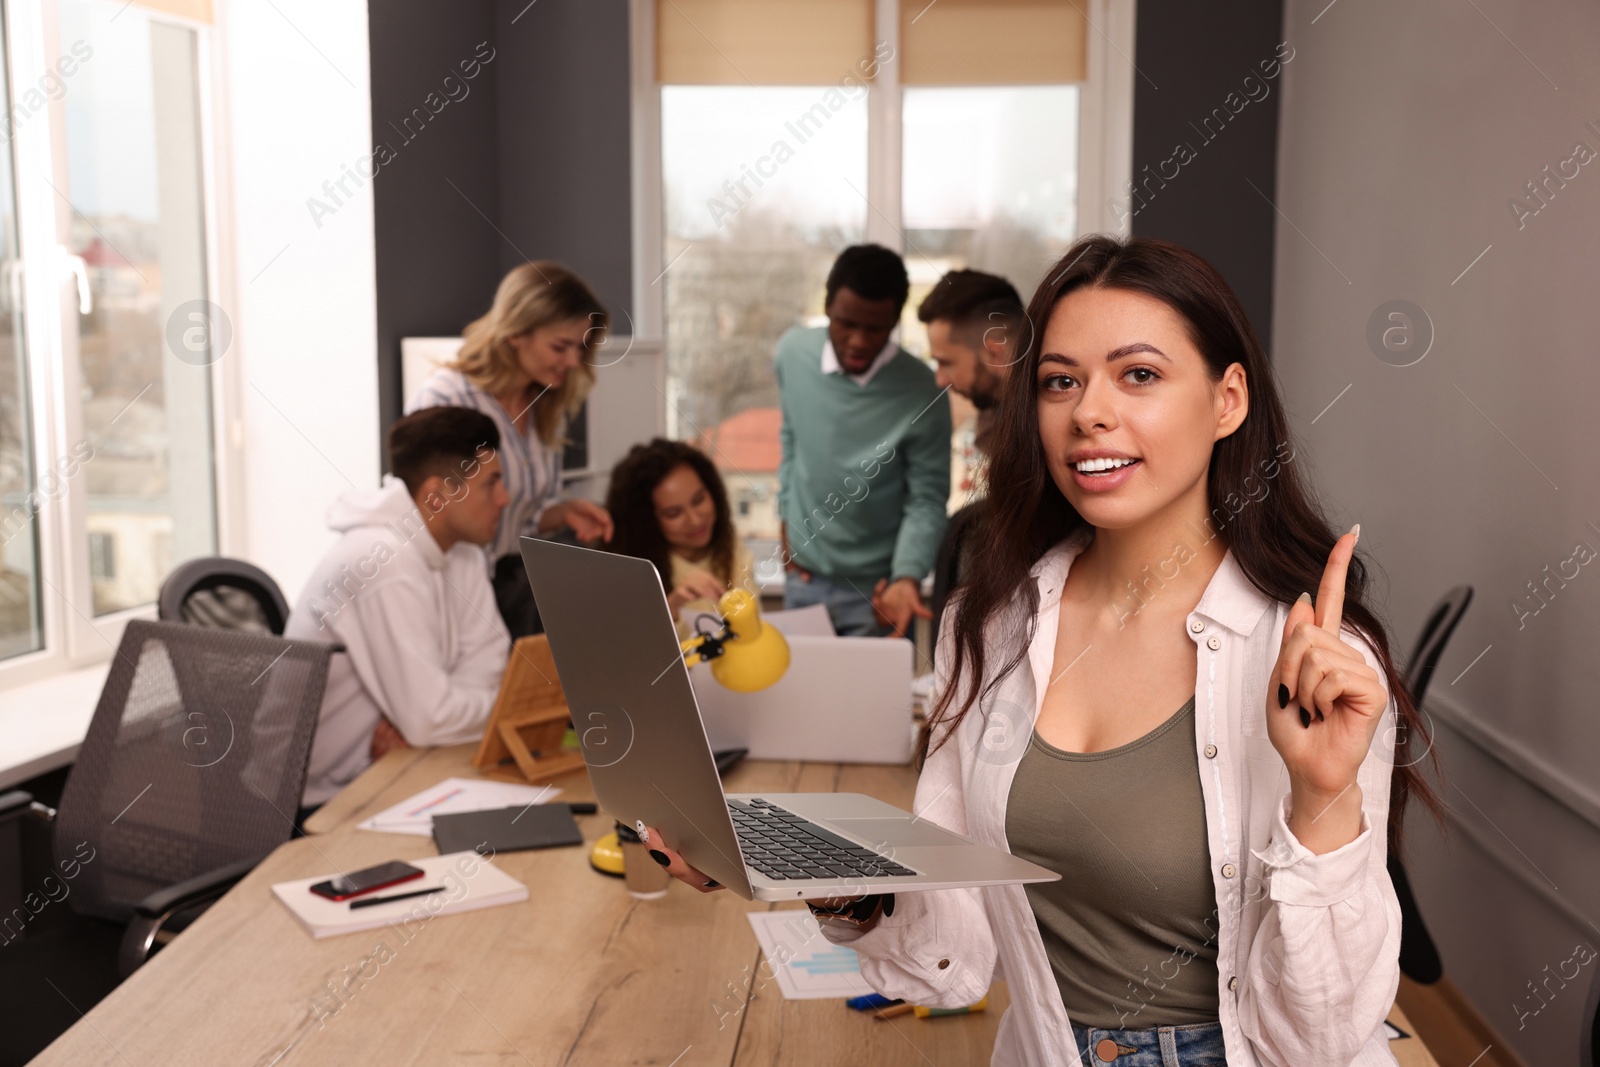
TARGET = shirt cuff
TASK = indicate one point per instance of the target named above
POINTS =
(1301, 877)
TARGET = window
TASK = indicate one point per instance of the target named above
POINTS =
(761, 190)
(1005, 203)
(107, 322)
(145, 333)
(21, 484)
(974, 133)
(102, 556)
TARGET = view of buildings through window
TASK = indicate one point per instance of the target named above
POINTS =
(133, 192)
(745, 268)
(758, 203)
(19, 527)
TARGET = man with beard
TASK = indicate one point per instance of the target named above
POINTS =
(977, 329)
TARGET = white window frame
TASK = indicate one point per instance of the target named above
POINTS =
(73, 637)
(1105, 142)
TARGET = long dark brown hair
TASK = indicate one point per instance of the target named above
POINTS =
(630, 499)
(1281, 541)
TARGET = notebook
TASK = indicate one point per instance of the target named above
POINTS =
(507, 829)
(414, 815)
(468, 882)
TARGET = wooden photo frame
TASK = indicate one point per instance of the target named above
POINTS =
(528, 721)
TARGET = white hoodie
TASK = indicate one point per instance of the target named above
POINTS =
(426, 645)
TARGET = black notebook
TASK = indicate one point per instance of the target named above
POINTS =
(506, 829)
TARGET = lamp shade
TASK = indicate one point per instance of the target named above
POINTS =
(750, 655)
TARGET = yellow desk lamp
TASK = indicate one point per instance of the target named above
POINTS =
(747, 655)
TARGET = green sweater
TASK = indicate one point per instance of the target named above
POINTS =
(865, 473)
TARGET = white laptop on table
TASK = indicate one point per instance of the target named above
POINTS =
(842, 700)
(635, 712)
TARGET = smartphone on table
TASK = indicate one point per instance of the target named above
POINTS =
(345, 886)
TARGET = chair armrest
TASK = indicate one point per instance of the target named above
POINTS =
(152, 913)
(201, 887)
(13, 802)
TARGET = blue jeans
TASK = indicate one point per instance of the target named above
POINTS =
(849, 605)
(1194, 1045)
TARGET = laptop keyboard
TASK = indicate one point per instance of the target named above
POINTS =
(783, 846)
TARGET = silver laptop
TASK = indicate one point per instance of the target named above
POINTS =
(633, 707)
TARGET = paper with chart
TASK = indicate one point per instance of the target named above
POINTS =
(414, 815)
(807, 965)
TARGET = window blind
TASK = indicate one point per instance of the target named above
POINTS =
(771, 42)
(198, 10)
(993, 42)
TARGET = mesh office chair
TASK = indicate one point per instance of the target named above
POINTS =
(948, 559)
(191, 773)
(228, 594)
(1419, 956)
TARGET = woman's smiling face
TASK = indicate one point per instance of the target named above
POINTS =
(1119, 376)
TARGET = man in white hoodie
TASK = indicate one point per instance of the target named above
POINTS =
(406, 590)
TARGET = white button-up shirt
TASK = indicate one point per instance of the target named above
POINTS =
(831, 364)
(1307, 946)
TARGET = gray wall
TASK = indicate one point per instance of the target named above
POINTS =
(565, 183)
(438, 259)
(531, 163)
(1406, 131)
(1190, 58)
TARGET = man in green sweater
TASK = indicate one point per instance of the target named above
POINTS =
(865, 471)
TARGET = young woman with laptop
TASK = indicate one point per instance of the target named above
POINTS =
(1150, 545)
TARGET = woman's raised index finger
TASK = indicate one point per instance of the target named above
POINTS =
(1330, 594)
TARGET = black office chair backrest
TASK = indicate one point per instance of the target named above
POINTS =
(948, 559)
(195, 758)
(1419, 955)
(228, 594)
(1435, 635)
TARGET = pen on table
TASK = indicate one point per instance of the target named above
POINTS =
(929, 1013)
(932, 1013)
(367, 903)
(435, 801)
(870, 1001)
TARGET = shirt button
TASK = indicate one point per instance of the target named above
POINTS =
(1214, 643)
(1211, 752)
(943, 964)
(1233, 983)
(1197, 626)
(1229, 870)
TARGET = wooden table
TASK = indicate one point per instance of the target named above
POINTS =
(580, 973)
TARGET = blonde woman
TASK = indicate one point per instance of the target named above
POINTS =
(525, 365)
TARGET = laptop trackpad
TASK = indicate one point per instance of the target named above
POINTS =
(905, 832)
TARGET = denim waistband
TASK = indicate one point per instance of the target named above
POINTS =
(1193, 1045)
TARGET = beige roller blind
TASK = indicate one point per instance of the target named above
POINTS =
(762, 42)
(198, 10)
(992, 42)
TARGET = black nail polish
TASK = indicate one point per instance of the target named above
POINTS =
(661, 857)
(712, 883)
(1319, 714)
(1283, 695)
(1305, 718)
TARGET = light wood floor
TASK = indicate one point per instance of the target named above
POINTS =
(1452, 1028)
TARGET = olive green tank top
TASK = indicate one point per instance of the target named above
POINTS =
(1131, 927)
